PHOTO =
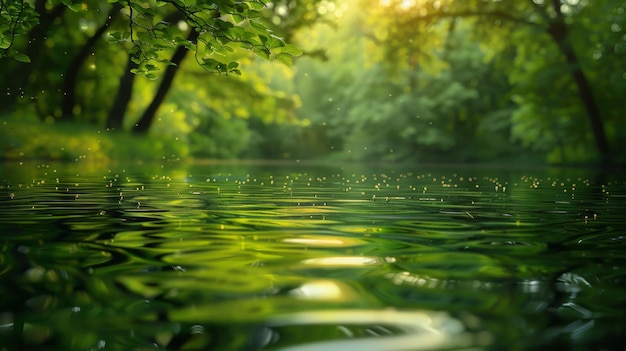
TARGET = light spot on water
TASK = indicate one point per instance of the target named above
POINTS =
(342, 261)
(422, 330)
(320, 290)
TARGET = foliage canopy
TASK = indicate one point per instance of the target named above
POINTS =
(154, 26)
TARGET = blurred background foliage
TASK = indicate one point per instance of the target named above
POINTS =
(392, 80)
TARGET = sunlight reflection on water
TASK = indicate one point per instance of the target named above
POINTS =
(386, 329)
(343, 261)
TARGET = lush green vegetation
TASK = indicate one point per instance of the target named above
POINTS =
(397, 80)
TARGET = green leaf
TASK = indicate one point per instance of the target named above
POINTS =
(114, 36)
(257, 5)
(186, 43)
(286, 59)
(291, 50)
(263, 53)
(259, 26)
(5, 43)
(236, 33)
(74, 7)
(273, 42)
(240, 7)
(210, 64)
(223, 25)
(252, 14)
(21, 57)
(238, 18)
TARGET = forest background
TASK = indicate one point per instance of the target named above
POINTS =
(365, 80)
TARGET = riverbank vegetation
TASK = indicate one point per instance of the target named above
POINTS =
(392, 80)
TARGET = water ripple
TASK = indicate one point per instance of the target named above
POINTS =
(309, 259)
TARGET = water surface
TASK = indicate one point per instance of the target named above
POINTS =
(310, 257)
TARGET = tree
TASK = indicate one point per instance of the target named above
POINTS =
(146, 119)
(398, 26)
(115, 116)
(222, 26)
(290, 16)
(72, 72)
(560, 32)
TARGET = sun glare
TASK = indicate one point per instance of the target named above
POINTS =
(407, 4)
(403, 4)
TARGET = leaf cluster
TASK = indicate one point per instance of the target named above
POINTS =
(17, 17)
(222, 27)
(153, 28)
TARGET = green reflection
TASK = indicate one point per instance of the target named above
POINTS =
(298, 259)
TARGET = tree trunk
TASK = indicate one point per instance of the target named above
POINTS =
(559, 32)
(115, 118)
(144, 123)
(71, 74)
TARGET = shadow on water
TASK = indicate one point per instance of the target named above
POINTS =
(310, 257)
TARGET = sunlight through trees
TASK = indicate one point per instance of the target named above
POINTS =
(390, 79)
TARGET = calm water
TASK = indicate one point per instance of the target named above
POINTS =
(294, 257)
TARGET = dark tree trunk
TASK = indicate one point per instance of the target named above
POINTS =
(115, 118)
(37, 35)
(144, 123)
(71, 74)
(559, 32)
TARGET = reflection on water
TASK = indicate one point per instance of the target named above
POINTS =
(385, 329)
(228, 257)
